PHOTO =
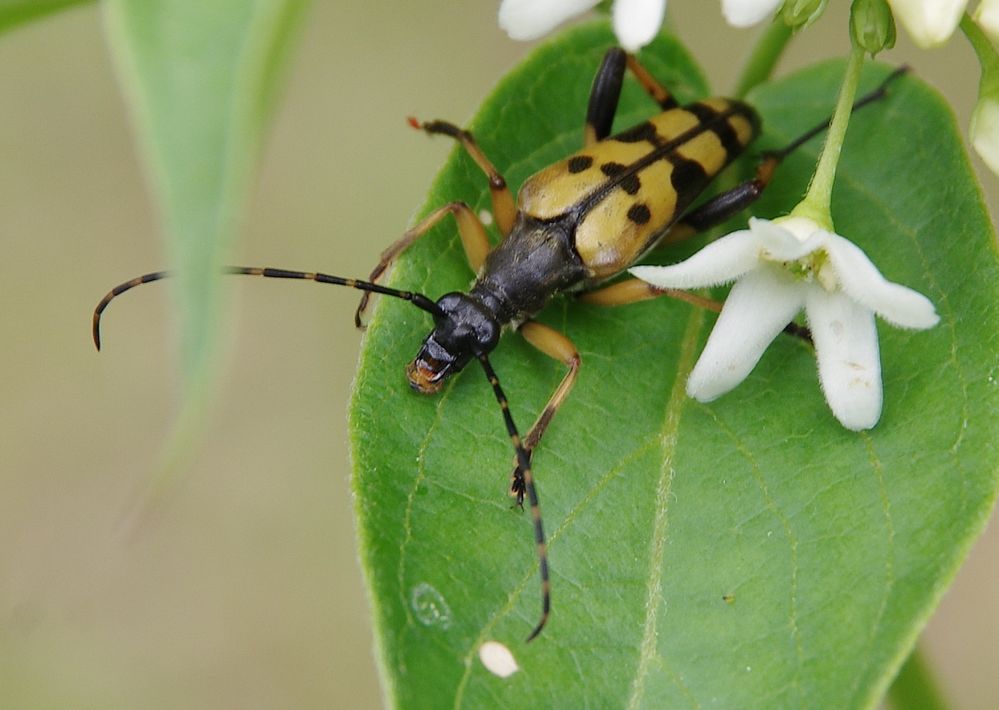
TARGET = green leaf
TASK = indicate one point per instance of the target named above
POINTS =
(746, 553)
(17, 12)
(200, 79)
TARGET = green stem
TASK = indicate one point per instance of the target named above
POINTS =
(914, 688)
(764, 57)
(818, 200)
(987, 56)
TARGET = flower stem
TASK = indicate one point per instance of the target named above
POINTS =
(913, 688)
(987, 56)
(818, 200)
(764, 57)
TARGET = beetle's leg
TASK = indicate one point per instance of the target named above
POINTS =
(558, 347)
(606, 91)
(604, 95)
(504, 207)
(635, 290)
(473, 239)
(728, 204)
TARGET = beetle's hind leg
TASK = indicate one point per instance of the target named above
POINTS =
(606, 92)
(558, 347)
(729, 203)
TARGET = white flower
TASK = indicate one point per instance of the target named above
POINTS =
(985, 131)
(987, 17)
(636, 22)
(743, 13)
(929, 22)
(782, 267)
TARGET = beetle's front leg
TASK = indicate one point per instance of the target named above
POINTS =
(504, 206)
(558, 347)
(473, 238)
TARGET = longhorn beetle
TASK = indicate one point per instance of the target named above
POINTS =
(575, 225)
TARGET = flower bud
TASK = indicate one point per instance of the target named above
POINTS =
(799, 14)
(872, 27)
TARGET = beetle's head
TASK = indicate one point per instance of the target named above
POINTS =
(463, 329)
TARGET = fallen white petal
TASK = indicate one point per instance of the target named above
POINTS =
(846, 343)
(530, 19)
(929, 22)
(636, 22)
(743, 13)
(498, 659)
(756, 310)
(861, 280)
(721, 261)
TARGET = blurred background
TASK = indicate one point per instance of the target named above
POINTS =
(242, 589)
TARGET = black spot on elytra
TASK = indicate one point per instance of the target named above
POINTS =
(642, 132)
(719, 125)
(688, 179)
(612, 169)
(639, 214)
(631, 184)
(579, 163)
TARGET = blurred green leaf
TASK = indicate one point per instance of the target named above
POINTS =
(746, 553)
(17, 12)
(200, 79)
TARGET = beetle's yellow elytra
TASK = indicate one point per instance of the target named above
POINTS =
(626, 190)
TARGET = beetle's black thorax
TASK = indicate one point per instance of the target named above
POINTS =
(530, 266)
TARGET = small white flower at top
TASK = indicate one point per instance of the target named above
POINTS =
(743, 13)
(781, 267)
(930, 22)
(636, 22)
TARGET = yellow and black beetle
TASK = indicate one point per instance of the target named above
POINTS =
(576, 224)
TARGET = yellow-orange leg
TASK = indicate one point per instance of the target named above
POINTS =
(504, 207)
(659, 93)
(635, 290)
(558, 347)
(473, 238)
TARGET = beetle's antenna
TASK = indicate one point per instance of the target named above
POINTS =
(524, 463)
(417, 299)
(875, 95)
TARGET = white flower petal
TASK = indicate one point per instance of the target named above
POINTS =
(743, 13)
(929, 22)
(846, 342)
(862, 282)
(788, 239)
(985, 126)
(756, 310)
(530, 19)
(721, 261)
(636, 22)
(987, 17)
